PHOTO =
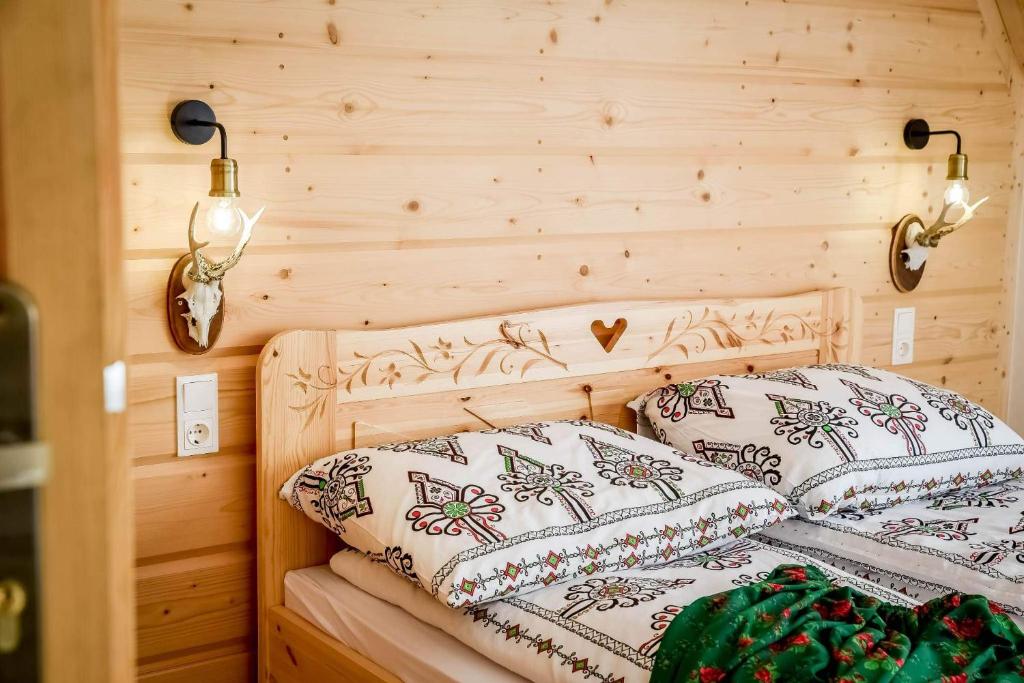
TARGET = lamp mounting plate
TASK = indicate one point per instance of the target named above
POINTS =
(916, 133)
(183, 116)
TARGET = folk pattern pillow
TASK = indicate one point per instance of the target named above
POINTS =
(477, 516)
(834, 437)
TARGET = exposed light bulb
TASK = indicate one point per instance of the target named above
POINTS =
(222, 217)
(956, 192)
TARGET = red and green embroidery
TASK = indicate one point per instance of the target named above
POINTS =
(614, 592)
(336, 489)
(816, 423)
(893, 412)
(967, 416)
(623, 467)
(704, 397)
(530, 479)
(750, 460)
(796, 626)
(446, 447)
(444, 508)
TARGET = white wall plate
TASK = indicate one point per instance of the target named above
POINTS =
(198, 415)
(903, 335)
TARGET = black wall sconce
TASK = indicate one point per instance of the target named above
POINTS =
(912, 242)
(194, 296)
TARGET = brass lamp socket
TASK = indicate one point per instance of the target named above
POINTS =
(224, 178)
(957, 167)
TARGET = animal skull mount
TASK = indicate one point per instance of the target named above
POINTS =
(912, 242)
(194, 297)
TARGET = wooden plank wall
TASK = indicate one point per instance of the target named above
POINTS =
(427, 160)
(1010, 13)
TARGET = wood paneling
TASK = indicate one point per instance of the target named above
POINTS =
(1012, 14)
(1010, 47)
(194, 601)
(183, 505)
(429, 161)
(1014, 388)
(211, 668)
(505, 197)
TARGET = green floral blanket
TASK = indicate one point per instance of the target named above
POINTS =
(795, 626)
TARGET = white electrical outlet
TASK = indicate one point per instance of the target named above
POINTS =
(903, 336)
(198, 430)
(197, 434)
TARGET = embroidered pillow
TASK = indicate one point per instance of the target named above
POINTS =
(477, 516)
(833, 437)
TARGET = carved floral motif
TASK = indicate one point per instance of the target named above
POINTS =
(518, 347)
(688, 333)
(315, 389)
(515, 341)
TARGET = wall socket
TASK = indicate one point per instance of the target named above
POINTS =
(198, 417)
(903, 336)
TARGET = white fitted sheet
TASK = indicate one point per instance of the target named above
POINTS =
(414, 651)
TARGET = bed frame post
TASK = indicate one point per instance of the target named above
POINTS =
(842, 315)
(296, 404)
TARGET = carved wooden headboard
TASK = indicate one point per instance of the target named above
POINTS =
(319, 392)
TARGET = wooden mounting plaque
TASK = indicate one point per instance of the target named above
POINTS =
(324, 391)
(176, 307)
(903, 279)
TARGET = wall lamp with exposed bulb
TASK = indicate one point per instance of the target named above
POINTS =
(194, 295)
(912, 242)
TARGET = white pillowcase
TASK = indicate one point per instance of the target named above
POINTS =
(482, 515)
(833, 437)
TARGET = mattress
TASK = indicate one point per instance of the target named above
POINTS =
(604, 628)
(971, 541)
(411, 649)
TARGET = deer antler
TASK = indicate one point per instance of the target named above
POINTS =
(198, 270)
(205, 270)
(941, 227)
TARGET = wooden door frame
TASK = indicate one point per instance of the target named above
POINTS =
(60, 221)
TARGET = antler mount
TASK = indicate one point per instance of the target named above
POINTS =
(195, 300)
(912, 242)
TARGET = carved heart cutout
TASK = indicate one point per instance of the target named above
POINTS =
(606, 336)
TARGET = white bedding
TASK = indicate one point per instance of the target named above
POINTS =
(606, 628)
(970, 541)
